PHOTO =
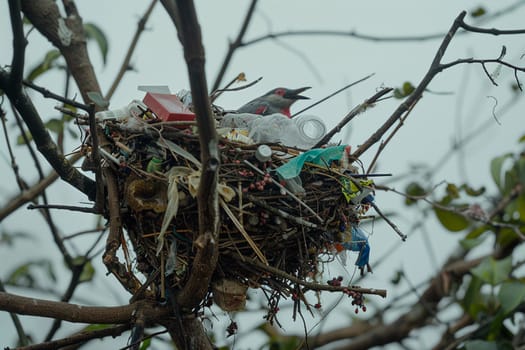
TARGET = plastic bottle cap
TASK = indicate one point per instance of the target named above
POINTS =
(263, 153)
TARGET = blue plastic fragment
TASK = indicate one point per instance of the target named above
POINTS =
(368, 199)
(359, 243)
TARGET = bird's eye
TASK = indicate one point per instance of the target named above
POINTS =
(280, 92)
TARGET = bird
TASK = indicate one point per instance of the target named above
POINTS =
(277, 100)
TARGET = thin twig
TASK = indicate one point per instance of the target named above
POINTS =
(434, 69)
(234, 45)
(351, 115)
(19, 45)
(76, 271)
(281, 187)
(383, 144)
(63, 207)
(315, 286)
(81, 337)
(48, 94)
(332, 94)
(32, 192)
(215, 94)
(22, 335)
(125, 64)
(388, 221)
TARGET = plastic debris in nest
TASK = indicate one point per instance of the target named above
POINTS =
(279, 206)
(301, 132)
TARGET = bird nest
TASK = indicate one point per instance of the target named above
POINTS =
(274, 233)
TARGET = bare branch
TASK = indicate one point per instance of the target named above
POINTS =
(125, 64)
(22, 335)
(334, 33)
(492, 31)
(110, 259)
(67, 34)
(351, 115)
(331, 95)
(79, 313)
(185, 19)
(48, 94)
(434, 69)
(19, 44)
(43, 140)
(312, 285)
(234, 45)
(79, 338)
(383, 144)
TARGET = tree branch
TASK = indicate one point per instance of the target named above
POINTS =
(19, 44)
(207, 198)
(110, 259)
(233, 46)
(351, 115)
(125, 64)
(434, 69)
(67, 34)
(79, 313)
(43, 140)
(79, 338)
(23, 339)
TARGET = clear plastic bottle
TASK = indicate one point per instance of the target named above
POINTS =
(135, 108)
(302, 132)
(311, 130)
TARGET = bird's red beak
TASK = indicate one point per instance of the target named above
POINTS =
(294, 94)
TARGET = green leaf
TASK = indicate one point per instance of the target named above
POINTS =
(87, 272)
(520, 165)
(520, 206)
(97, 99)
(9, 238)
(511, 294)
(506, 236)
(21, 276)
(493, 271)
(496, 166)
(452, 191)
(92, 31)
(478, 12)
(55, 125)
(472, 191)
(413, 189)
(468, 244)
(97, 327)
(522, 139)
(72, 132)
(473, 301)
(145, 344)
(397, 277)
(478, 231)
(480, 345)
(406, 89)
(26, 275)
(511, 180)
(451, 221)
(20, 140)
(46, 64)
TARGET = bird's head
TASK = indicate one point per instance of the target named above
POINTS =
(283, 98)
(287, 96)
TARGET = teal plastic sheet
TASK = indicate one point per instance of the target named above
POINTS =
(318, 156)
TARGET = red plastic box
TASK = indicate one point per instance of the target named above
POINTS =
(168, 107)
